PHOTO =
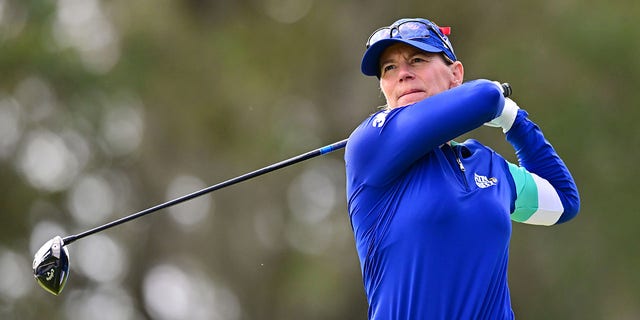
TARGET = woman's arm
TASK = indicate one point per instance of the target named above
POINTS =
(386, 144)
(546, 191)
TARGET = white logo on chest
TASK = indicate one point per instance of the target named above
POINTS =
(484, 182)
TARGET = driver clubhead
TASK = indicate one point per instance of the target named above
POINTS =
(51, 265)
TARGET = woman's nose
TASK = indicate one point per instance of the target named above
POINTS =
(404, 71)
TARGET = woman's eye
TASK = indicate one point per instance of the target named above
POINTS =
(388, 67)
(417, 59)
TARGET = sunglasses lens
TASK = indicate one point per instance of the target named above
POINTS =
(413, 29)
(382, 33)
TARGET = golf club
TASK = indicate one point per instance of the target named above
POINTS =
(51, 261)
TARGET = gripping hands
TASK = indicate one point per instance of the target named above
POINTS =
(509, 111)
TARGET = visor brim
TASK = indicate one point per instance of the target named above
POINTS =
(370, 65)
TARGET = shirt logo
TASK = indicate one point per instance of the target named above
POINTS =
(484, 182)
(379, 119)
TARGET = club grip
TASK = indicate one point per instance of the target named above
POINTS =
(506, 87)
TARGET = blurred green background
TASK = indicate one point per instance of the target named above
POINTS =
(110, 107)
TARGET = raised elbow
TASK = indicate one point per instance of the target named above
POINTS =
(571, 204)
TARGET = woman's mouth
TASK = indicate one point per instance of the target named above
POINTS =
(410, 93)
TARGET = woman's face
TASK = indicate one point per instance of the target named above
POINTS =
(408, 74)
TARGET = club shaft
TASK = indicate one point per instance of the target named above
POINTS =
(279, 165)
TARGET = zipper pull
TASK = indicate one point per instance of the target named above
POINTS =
(459, 162)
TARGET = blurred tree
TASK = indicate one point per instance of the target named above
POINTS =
(109, 107)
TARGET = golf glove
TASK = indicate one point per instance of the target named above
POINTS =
(507, 117)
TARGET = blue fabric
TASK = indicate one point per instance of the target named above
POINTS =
(432, 242)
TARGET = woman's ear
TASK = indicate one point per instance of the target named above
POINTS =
(457, 71)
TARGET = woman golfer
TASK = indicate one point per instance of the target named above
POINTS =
(432, 217)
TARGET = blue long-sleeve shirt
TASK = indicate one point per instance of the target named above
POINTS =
(432, 221)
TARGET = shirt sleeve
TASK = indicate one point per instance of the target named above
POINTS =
(546, 193)
(389, 142)
(537, 202)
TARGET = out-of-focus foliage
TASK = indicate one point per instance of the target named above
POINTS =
(110, 107)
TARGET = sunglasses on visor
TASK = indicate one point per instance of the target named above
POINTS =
(409, 29)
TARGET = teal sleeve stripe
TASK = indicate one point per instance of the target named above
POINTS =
(526, 194)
